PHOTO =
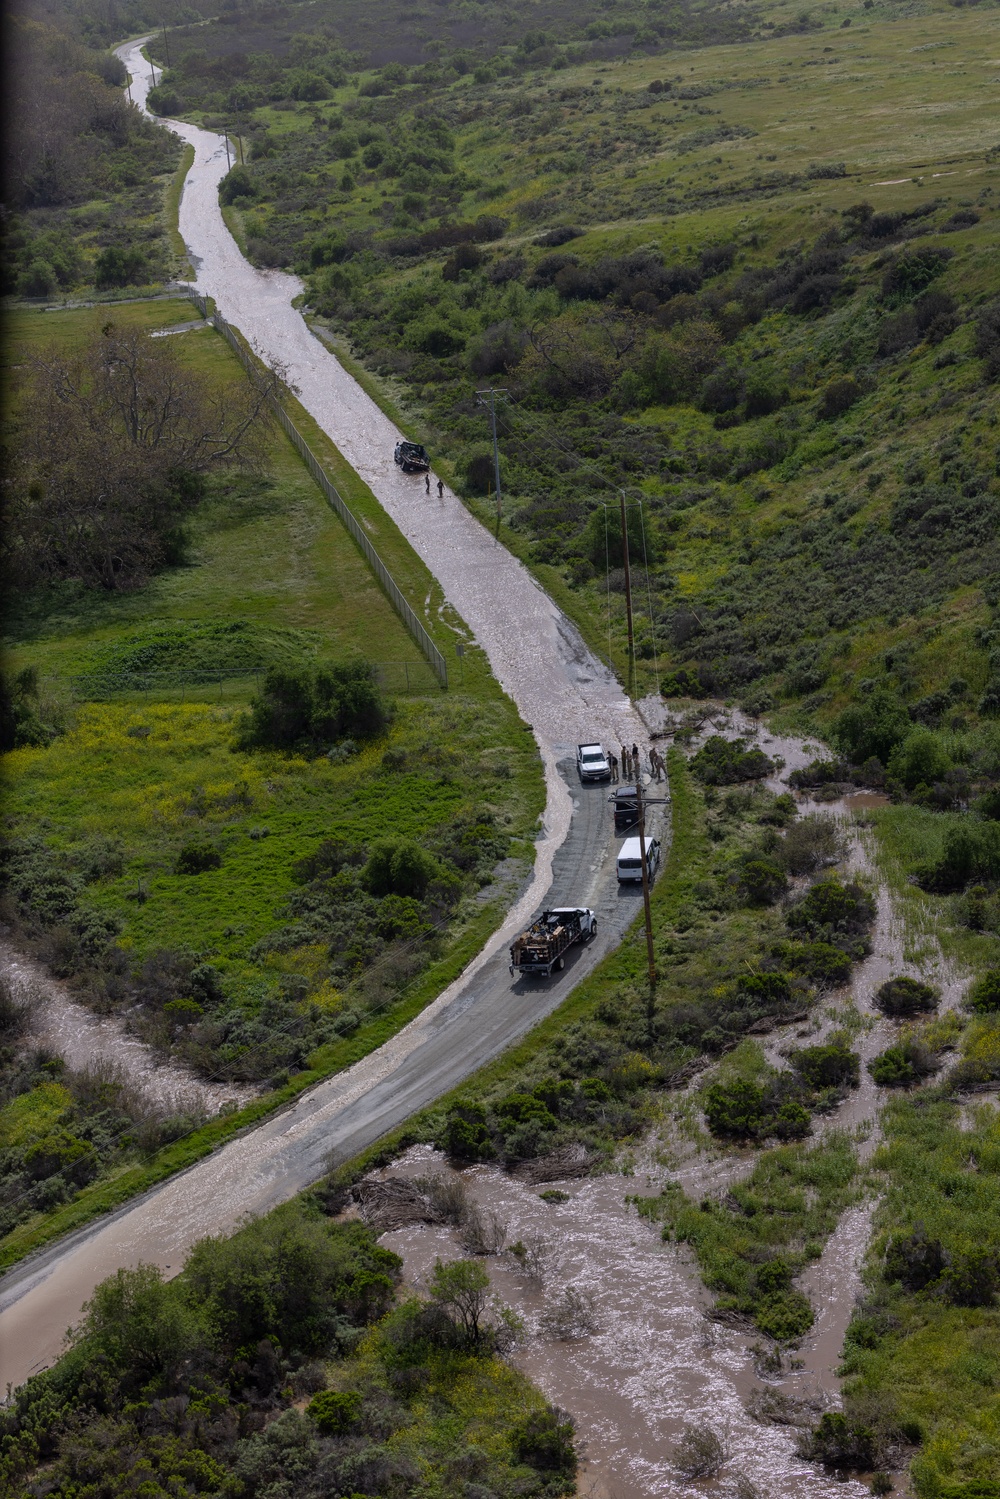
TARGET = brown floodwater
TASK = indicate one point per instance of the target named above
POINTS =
(66, 1027)
(656, 1363)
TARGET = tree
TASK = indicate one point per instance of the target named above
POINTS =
(110, 449)
(872, 728)
(919, 758)
(141, 1326)
(310, 708)
(462, 1288)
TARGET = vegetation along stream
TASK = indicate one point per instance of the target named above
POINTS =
(695, 310)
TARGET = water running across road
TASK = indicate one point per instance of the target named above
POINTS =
(559, 687)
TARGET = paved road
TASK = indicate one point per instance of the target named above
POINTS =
(560, 688)
(472, 1022)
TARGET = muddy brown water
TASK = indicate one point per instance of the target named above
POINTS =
(65, 1026)
(656, 1363)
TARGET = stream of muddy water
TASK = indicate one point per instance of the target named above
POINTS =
(61, 1024)
(655, 1363)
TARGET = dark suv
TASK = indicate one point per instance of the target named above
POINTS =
(626, 808)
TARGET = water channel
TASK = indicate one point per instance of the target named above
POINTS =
(654, 1363)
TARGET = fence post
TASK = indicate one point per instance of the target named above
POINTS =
(436, 660)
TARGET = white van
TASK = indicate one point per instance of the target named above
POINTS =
(630, 859)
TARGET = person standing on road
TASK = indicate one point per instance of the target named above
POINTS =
(613, 762)
(656, 763)
(626, 764)
(636, 762)
(440, 489)
(427, 482)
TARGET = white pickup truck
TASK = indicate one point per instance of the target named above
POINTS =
(592, 763)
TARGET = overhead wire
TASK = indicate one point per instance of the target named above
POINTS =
(588, 463)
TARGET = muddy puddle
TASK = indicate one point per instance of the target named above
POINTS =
(83, 1039)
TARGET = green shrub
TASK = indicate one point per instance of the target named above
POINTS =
(872, 727)
(984, 995)
(761, 882)
(784, 1316)
(544, 1440)
(832, 910)
(832, 1065)
(467, 1136)
(335, 1412)
(839, 1442)
(902, 1065)
(237, 187)
(906, 996)
(312, 708)
(62, 1153)
(735, 1111)
(399, 868)
(725, 762)
(120, 265)
(920, 759)
(196, 858)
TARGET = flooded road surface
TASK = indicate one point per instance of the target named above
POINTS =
(559, 687)
(66, 1027)
(474, 1020)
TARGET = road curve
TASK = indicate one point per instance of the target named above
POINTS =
(559, 687)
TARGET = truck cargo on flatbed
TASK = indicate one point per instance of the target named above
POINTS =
(540, 949)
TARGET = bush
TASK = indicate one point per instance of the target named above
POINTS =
(838, 397)
(761, 882)
(467, 1137)
(335, 1412)
(920, 758)
(735, 1111)
(902, 1066)
(984, 995)
(914, 1260)
(544, 1440)
(784, 1317)
(725, 762)
(832, 909)
(312, 708)
(839, 1442)
(399, 868)
(832, 1065)
(120, 265)
(872, 728)
(905, 996)
(809, 844)
(196, 858)
(700, 1453)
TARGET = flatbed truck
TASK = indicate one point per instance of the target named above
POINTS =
(540, 950)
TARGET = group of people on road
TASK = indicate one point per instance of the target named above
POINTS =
(440, 485)
(631, 763)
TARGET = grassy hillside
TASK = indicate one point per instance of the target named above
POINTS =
(669, 264)
(217, 893)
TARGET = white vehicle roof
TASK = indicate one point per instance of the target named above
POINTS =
(631, 848)
(593, 748)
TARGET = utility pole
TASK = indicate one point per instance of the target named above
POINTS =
(225, 137)
(484, 398)
(641, 802)
(152, 72)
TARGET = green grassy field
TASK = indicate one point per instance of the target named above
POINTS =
(271, 577)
